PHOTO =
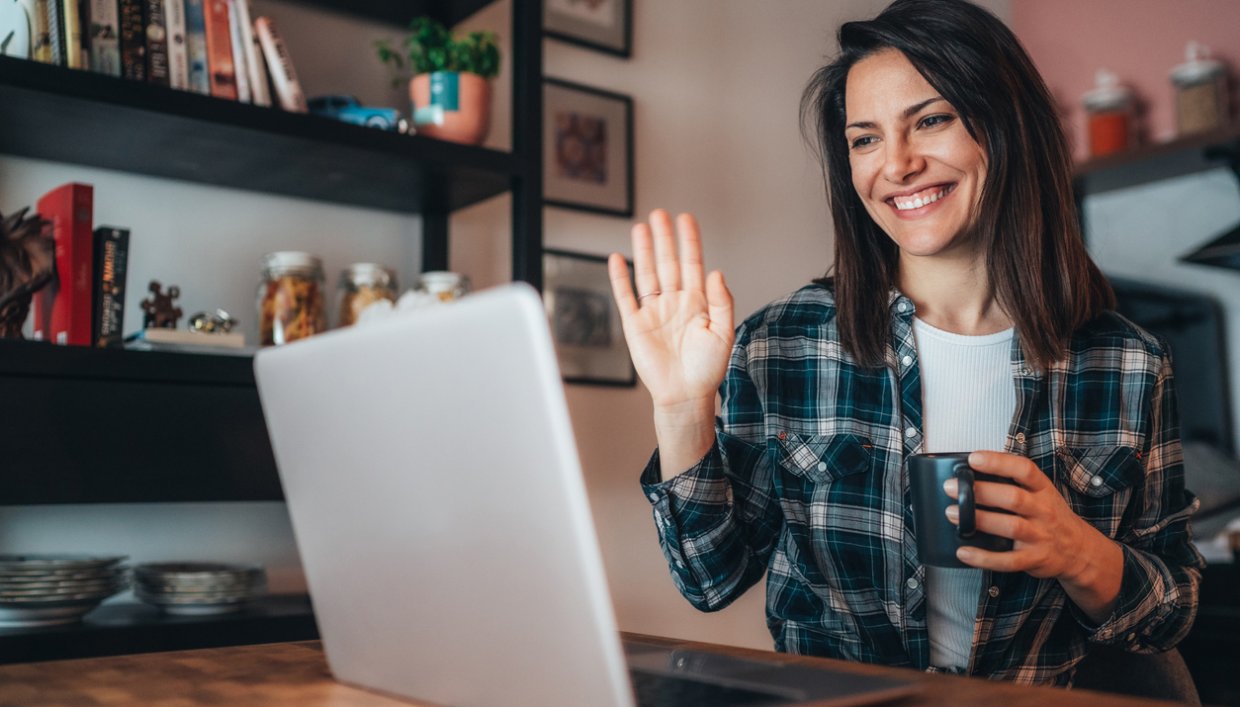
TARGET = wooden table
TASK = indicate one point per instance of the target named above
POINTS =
(296, 674)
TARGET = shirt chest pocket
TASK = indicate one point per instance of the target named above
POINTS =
(822, 459)
(1099, 482)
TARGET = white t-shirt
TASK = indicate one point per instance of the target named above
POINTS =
(968, 399)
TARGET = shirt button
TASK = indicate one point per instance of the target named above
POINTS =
(993, 592)
(907, 360)
(911, 583)
(654, 497)
(1025, 371)
(910, 431)
(822, 466)
(903, 306)
(1020, 437)
(1095, 481)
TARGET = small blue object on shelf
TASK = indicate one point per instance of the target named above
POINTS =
(350, 110)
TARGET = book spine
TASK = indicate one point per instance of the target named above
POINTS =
(72, 24)
(253, 54)
(105, 46)
(111, 259)
(156, 44)
(240, 70)
(40, 37)
(196, 47)
(178, 55)
(133, 39)
(283, 76)
(56, 31)
(221, 72)
(69, 207)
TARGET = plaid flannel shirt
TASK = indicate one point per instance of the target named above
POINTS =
(806, 482)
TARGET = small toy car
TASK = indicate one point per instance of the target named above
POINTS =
(350, 110)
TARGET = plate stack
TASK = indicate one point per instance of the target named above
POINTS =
(43, 590)
(198, 588)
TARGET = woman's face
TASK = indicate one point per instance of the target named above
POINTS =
(914, 165)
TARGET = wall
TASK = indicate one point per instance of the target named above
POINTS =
(1140, 40)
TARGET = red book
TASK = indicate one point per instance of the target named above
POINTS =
(62, 311)
(220, 68)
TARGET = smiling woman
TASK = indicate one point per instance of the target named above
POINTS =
(963, 315)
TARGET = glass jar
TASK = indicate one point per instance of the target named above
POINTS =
(290, 298)
(1112, 116)
(444, 286)
(1201, 99)
(362, 284)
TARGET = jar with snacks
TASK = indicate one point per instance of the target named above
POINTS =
(290, 298)
(1112, 116)
(443, 285)
(1201, 100)
(363, 284)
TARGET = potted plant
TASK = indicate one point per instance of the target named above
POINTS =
(450, 85)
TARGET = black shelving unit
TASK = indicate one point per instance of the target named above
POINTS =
(118, 426)
(1153, 163)
(123, 628)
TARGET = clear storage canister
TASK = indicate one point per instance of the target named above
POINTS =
(1201, 100)
(444, 286)
(361, 285)
(290, 297)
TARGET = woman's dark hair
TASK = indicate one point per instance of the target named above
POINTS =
(1026, 219)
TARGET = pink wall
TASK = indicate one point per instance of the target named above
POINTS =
(1139, 40)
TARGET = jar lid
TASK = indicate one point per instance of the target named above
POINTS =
(372, 274)
(1107, 93)
(1198, 67)
(291, 260)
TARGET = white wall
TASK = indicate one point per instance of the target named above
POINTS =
(716, 86)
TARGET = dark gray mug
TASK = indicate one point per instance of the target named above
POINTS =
(937, 538)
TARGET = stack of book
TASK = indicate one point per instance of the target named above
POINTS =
(212, 47)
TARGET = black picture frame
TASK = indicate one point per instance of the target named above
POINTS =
(587, 148)
(605, 25)
(585, 322)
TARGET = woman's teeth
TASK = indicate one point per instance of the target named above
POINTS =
(904, 203)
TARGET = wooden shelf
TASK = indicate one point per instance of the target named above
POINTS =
(64, 115)
(123, 628)
(1152, 163)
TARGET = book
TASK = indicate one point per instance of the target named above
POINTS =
(62, 310)
(104, 37)
(185, 337)
(196, 47)
(221, 72)
(111, 246)
(156, 44)
(72, 34)
(280, 66)
(254, 63)
(56, 30)
(178, 55)
(238, 52)
(40, 39)
(132, 14)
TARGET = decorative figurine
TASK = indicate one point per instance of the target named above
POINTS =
(27, 263)
(159, 311)
(220, 322)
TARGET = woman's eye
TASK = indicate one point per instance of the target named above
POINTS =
(863, 141)
(932, 120)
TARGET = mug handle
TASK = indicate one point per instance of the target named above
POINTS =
(968, 508)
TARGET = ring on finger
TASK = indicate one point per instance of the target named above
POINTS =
(648, 294)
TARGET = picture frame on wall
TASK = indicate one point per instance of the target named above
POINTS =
(584, 319)
(587, 148)
(602, 25)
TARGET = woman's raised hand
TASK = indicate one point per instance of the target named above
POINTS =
(679, 322)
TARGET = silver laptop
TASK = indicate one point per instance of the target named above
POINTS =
(442, 521)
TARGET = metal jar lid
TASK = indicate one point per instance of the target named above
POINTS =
(369, 275)
(1107, 93)
(292, 262)
(1198, 67)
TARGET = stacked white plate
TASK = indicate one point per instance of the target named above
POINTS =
(197, 588)
(42, 590)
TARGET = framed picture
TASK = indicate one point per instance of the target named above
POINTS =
(587, 148)
(585, 323)
(605, 25)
